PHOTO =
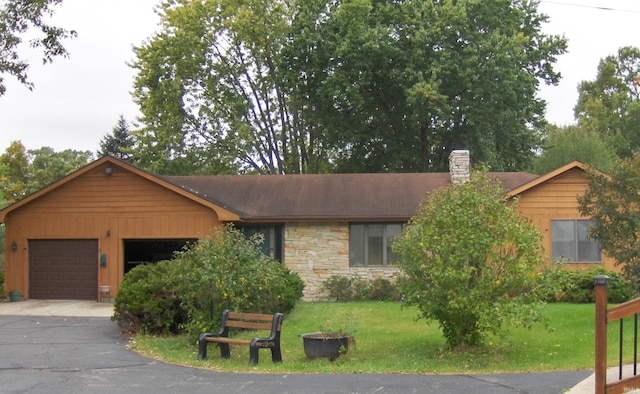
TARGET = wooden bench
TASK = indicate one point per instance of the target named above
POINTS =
(250, 321)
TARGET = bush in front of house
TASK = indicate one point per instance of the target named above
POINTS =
(470, 261)
(150, 299)
(341, 288)
(338, 288)
(383, 290)
(188, 294)
(577, 286)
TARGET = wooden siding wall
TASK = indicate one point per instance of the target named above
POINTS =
(557, 199)
(109, 209)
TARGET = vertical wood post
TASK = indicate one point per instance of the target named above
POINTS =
(601, 282)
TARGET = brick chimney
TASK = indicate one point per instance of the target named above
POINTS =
(459, 166)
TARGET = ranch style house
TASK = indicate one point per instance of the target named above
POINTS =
(78, 237)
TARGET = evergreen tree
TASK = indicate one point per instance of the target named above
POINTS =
(119, 143)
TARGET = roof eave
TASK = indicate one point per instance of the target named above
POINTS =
(324, 218)
(544, 178)
(224, 214)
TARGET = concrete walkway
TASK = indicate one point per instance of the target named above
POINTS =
(56, 308)
(588, 385)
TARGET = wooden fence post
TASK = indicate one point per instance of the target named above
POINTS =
(601, 282)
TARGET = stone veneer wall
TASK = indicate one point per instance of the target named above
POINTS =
(317, 251)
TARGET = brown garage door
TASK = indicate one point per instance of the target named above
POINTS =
(63, 269)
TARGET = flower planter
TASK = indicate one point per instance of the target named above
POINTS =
(14, 296)
(326, 345)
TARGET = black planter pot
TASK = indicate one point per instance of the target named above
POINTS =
(323, 345)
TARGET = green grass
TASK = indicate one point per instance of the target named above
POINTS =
(390, 340)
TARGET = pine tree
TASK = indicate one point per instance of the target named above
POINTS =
(119, 143)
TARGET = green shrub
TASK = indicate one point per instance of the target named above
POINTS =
(360, 289)
(227, 271)
(470, 262)
(338, 288)
(577, 286)
(583, 290)
(149, 299)
(383, 290)
(188, 294)
(555, 281)
(341, 288)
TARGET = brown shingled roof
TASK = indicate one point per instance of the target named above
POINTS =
(353, 197)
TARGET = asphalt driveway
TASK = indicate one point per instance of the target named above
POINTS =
(82, 354)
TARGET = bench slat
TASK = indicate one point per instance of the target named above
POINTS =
(228, 340)
(249, 324)
(249, 316)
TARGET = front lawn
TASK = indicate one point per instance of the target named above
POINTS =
(390, 340)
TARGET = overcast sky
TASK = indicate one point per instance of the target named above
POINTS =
(77, 101)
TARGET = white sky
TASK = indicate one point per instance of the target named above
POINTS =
(77, 101)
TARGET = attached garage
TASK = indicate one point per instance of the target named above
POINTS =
(86, 230)
(63, 269)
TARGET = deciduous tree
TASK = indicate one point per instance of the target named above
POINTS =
(277, 86)
(17, 17)
(13, 173)
(47, 166)
(565, 144)
(24, 172)
(397, 84)
(613, 203)
(210, 87)
(610, 104)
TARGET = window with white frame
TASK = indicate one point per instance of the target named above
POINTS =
(570, 241)
(370, 244)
